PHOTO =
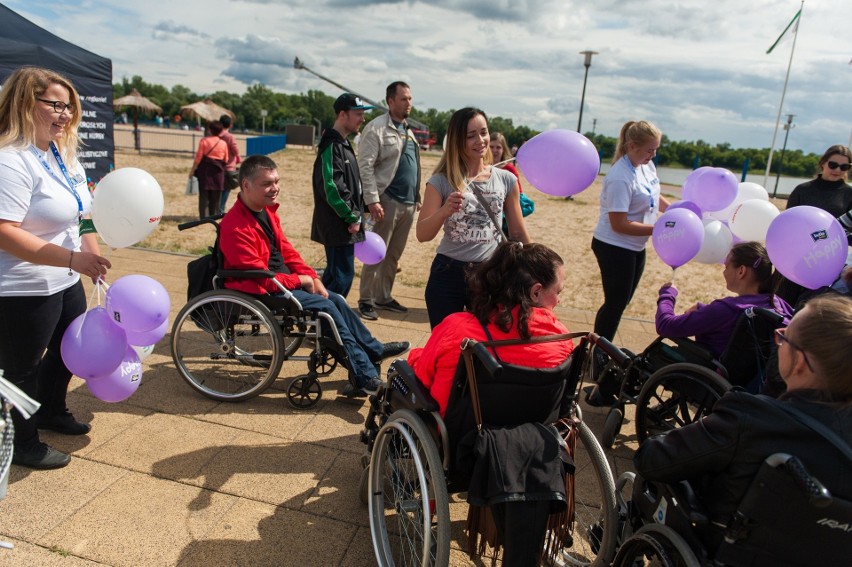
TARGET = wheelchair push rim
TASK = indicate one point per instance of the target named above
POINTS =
(227, 346)
(408, 502)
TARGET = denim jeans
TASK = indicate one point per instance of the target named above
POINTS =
(621, 270)
(339, 268)
(359, 343)
(446, 290)
(28, 326)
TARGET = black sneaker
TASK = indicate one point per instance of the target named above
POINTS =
(351, 391)
(40, 456)
(367, 311)
(393, 349)
(392, 305)
(372, 386)
(62, 423)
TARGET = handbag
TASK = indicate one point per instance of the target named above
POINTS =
(232, 179)
(191, 186)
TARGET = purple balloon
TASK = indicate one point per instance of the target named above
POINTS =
(807, 245)
(559, 162)
(119, 384)
(677, 236)
(138, 303)
(372, 249)
(686, 205)
(712, 189)
(93, 345)
(148, 338)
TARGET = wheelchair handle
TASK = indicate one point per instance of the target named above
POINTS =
(486, 358)
(818, 495)
(612, 351)
(192, 224)
(769, 315)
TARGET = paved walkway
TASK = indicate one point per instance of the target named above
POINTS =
(170, 477)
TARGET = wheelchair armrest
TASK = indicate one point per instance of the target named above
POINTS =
(249, 274)
(618, 356)
(686, 495)
(406, 391)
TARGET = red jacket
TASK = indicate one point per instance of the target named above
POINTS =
(435, 364)
(245, 246)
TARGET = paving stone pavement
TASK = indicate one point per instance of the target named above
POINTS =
(169, 477)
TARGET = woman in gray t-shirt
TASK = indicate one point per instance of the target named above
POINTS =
(453, 200)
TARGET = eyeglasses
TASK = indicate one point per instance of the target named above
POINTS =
(781, 337)
(842, 166)
(59, 107)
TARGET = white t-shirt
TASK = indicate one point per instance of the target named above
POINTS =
(44, 205)
(631, 190)
(470, 234)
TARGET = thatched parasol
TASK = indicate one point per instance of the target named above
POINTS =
(138, 102)
(206, 109)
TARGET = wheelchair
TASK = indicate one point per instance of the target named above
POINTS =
(230, 346)
(786, 519)
(410, 466)
(674, 382)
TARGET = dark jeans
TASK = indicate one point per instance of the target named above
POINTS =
(446, 290)
(208, 202)
(339, 268)
(359, 343)
(621, 270)
(223, 201)
(28, 326)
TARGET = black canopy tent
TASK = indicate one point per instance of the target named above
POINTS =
(24, 43)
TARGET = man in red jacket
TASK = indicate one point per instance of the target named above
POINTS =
(251, 238)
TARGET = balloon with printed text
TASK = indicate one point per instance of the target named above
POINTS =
(751, 219)
(677, 236)
(122, 382)
(127, 206)
(138, 303)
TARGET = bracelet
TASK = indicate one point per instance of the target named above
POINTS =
(70, 260)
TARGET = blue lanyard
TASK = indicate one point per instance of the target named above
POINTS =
(62, 168)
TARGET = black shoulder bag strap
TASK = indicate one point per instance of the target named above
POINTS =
(813, 424)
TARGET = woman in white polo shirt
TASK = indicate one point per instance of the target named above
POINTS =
(630, 201)
(43, 200)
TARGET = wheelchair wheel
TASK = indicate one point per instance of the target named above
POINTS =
(304, 392)
(676, 395)
(409, 507)
(658, 545)
(323, 364)
(227, 346)
(612, 426)
(592, 535)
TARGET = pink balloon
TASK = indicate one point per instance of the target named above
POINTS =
(685, 205)
(559, 162)
(119, 384)
(148, 338)
(138, 303)
(677, 236)
(807, 245)
(93, 345)
(712, 189)
(372, 249)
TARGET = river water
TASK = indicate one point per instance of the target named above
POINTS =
(677, 175)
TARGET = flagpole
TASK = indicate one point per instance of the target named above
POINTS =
(783, 94)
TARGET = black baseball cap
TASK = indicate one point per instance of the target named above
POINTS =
(348, 101)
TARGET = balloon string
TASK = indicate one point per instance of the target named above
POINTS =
(504, 162)
(674, 271)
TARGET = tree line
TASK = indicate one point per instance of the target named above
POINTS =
(315, 108)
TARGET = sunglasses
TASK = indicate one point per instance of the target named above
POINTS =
(842, 166)
(781, 337)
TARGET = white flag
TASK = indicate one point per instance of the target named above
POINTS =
(788, 32)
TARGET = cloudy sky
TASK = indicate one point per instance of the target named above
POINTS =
(698, 69)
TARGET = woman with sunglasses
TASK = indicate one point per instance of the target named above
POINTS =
(43, 200)
(721, 453)
(829, 192)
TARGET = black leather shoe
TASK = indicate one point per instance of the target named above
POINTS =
(40, 456)
(62, 423)
(393, 349)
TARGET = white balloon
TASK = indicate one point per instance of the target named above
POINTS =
(127, 206)
(717, 242)
(745, 191)
(752, 218)
(143, 352)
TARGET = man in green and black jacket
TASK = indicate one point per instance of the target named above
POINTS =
(338, 201)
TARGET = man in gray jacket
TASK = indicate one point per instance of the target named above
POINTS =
(389, 162)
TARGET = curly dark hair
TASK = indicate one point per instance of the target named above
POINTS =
(504, 281)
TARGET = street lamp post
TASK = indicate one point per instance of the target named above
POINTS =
(594, 125)
(787, 127)
(586, 63)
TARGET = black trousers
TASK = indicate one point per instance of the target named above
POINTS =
(208, 202)
(31, 329)
(522, 526)
(621, 270)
